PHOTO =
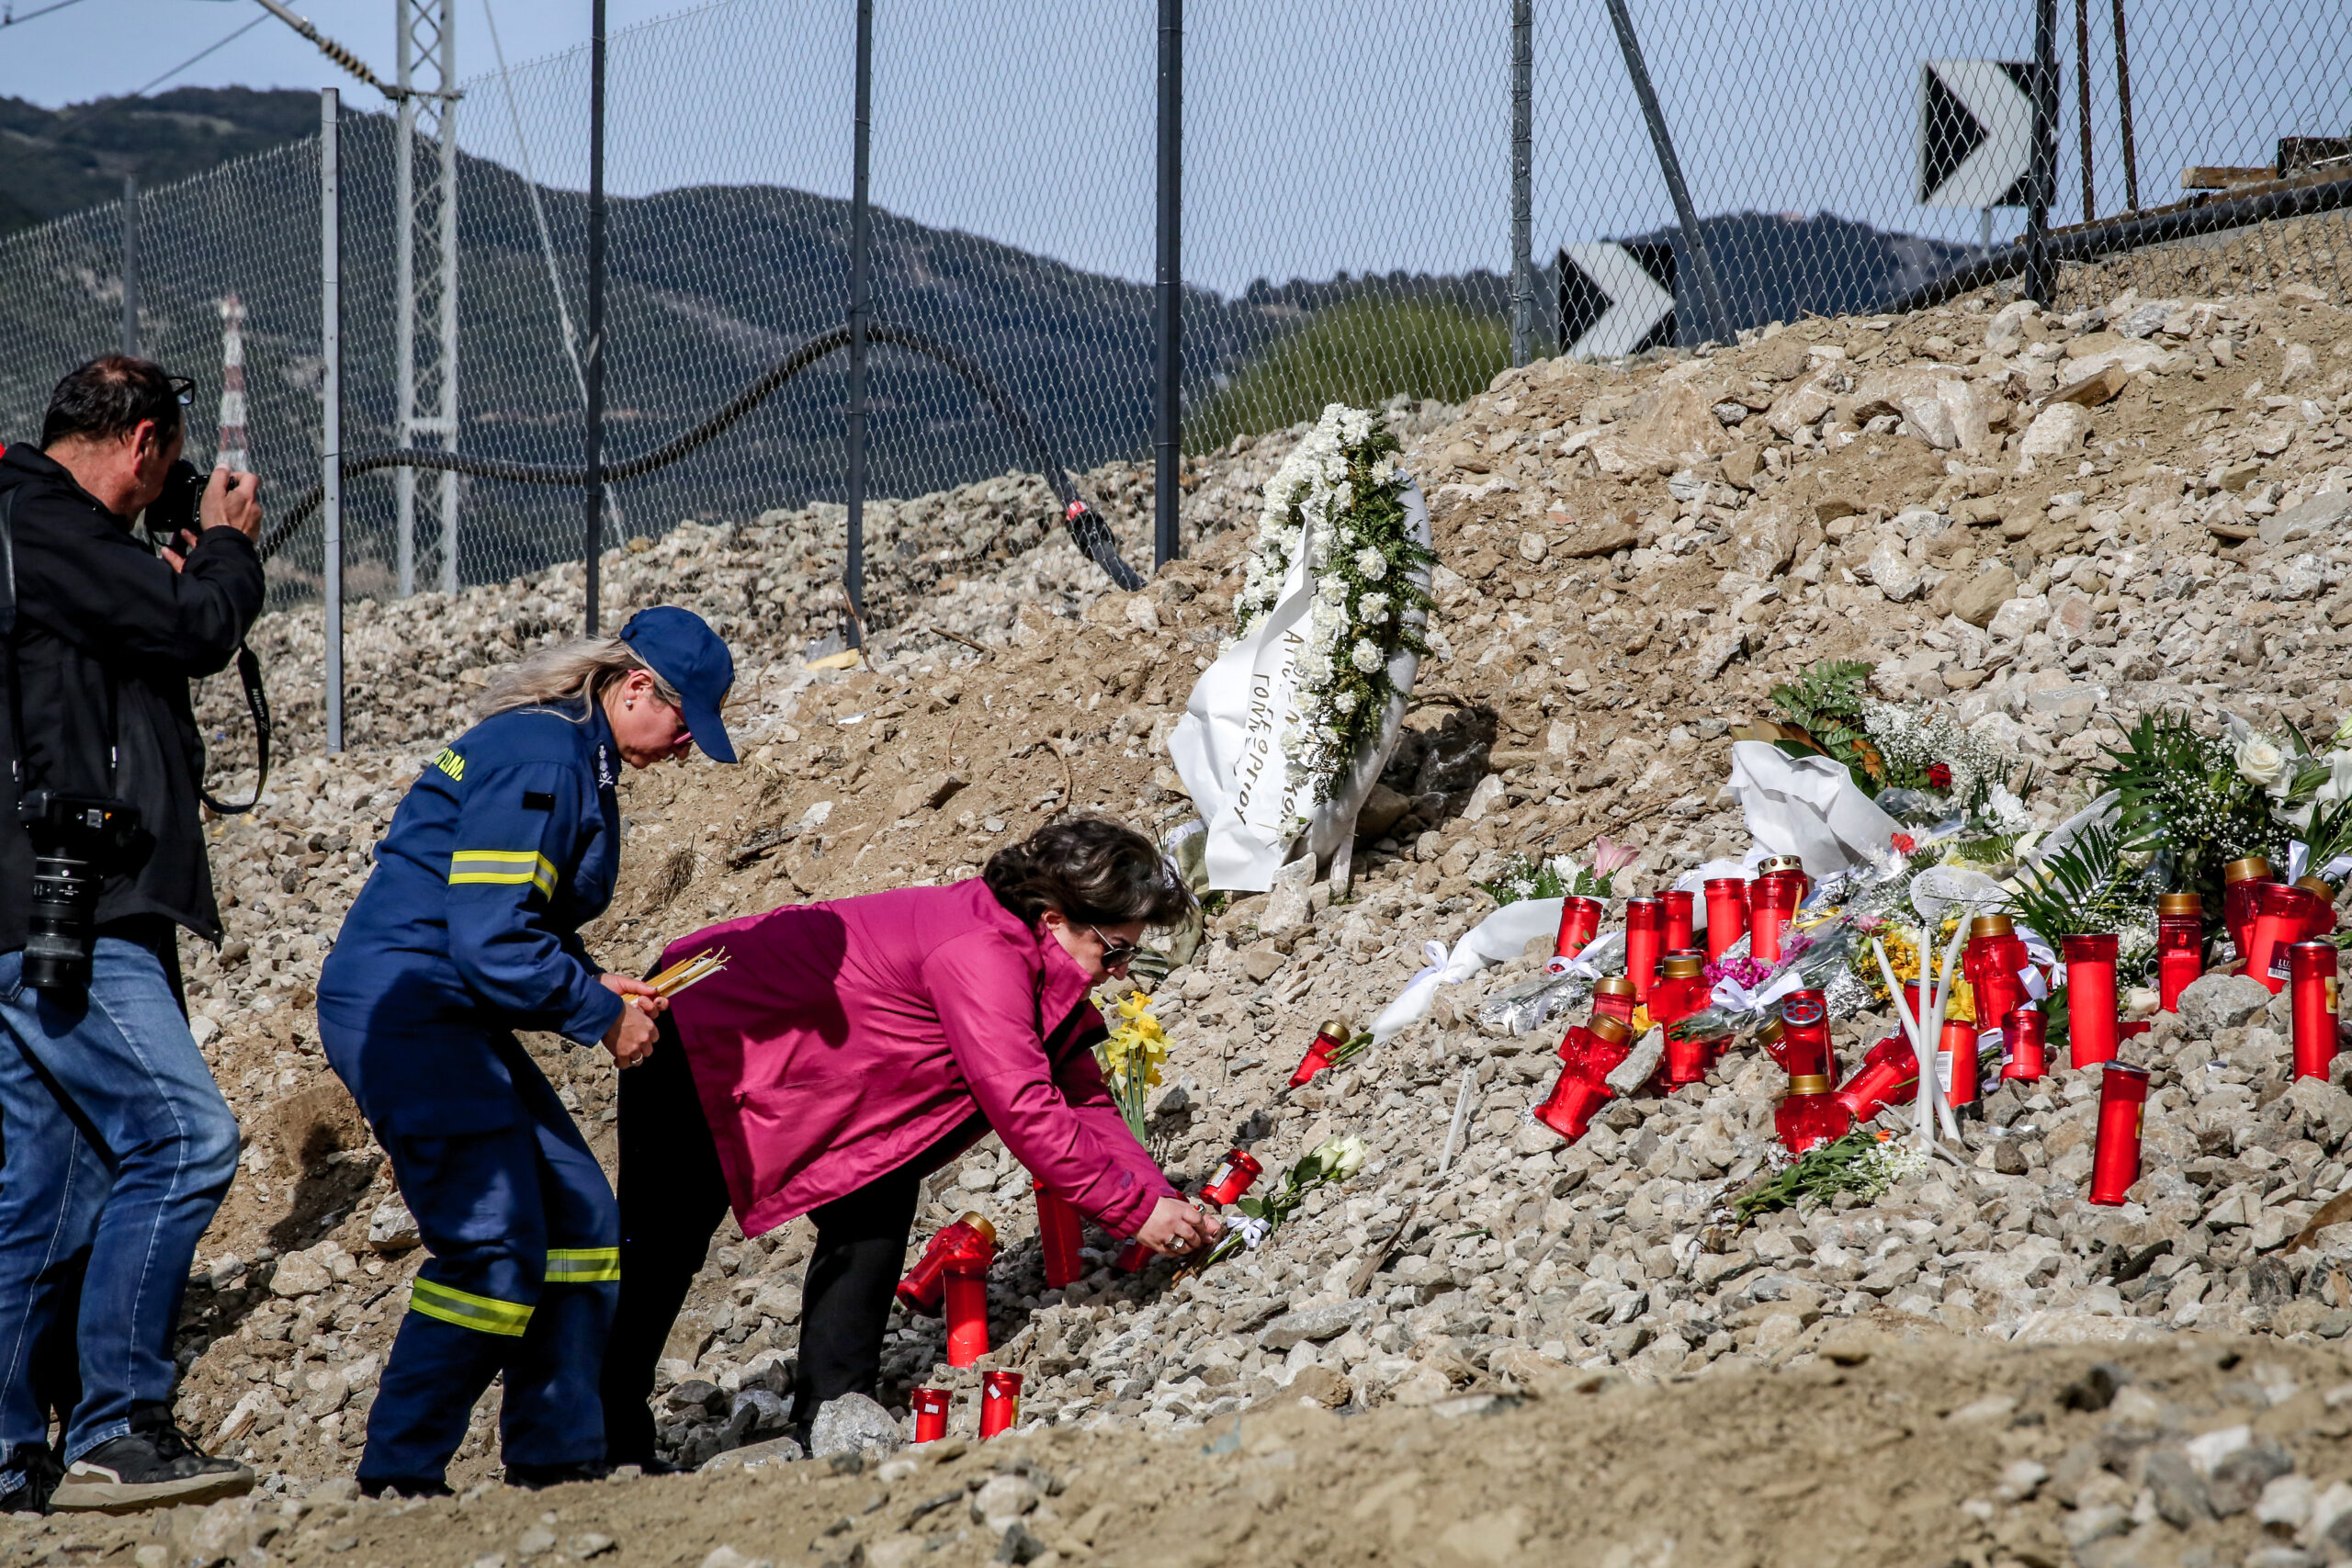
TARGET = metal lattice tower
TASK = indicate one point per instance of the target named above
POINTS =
(424, 324)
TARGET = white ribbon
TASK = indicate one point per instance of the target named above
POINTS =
(1250, 1232)
(1730, 993)
(2299, 859)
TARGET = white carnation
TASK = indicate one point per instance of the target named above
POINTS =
(1383, 472)
(1331, 591)
(1365, 657)
(1372, 564)
(1374, 608)
(1346, 702)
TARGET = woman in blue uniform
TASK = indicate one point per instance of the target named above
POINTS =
(508, 844)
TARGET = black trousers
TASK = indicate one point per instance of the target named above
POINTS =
(673, 1197)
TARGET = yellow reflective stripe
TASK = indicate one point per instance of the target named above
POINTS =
(513, 866)
(469, 1311)
(582, 1265)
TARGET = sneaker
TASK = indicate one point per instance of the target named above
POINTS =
(152, 1465)
(37, 1470)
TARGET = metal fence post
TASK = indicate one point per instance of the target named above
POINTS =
(2040, 284)
(1522, 181)
(2123, 96)
(861, 248)
(1711, 298)
(593, 540)
(331, 397)
(1167, 442)
(130, 265)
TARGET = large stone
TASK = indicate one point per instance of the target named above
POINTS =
(2056, 432)
(852, 1423)
(2071, 614)
(2018, 323)
(392, 1228)
(1287, 908)
(1982, 595)
(2026, 613)
(1891, 570)
(2215, 1002)
(1942, 407)
(1381, 809)
(1662, 427)
(1314, 1323)
(1763, 540)
(1801, 405)
(2320, 516)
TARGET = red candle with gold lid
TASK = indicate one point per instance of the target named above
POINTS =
(1681, 990)
(2181, 945)
(2242, 884)
(1613, 997)
(1889, 1075)
(1772, 905)
(1645, 942)
(2090, 997)
(2283, 912)
(1582, 1089)
(1328, 1038)
(1810, 1112)
(1579, 923)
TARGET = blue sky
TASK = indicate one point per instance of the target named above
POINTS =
(1321, 134)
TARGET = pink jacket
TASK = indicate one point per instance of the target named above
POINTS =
(845, 1038)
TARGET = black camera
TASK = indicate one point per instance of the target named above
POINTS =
(77, 841)
(173, 513)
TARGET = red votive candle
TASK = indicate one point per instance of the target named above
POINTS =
(1582, 1088)
(1057, 1237)
(2122, 1102)
(1956, 1063)
(1613, 997)
(1790, 866)
(1678, 918)
(1579, 923)
(1810, 1113)
(2181, 945)
(2090, 997)
(2242, 884)
(931, 1413)
(1889, 1073)
(1991, 964)
(2311, 967)
(1328, 1039)
(1644, 940)
(999, 1403)
(1772, 905)
(1727, 914)
(926, 1282)
(1681, 990)
(1232, 1176)
(2025, 1043)
(2283, 914)
(968, 1307)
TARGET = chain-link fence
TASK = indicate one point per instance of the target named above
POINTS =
(1348, 197)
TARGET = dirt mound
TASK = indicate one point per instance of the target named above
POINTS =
(2049, 522)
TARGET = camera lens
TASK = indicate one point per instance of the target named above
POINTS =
(62, 924)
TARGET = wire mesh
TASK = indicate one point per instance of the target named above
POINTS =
(1348, 210)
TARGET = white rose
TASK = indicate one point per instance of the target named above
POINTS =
(2260, 762)
(1341, 1157)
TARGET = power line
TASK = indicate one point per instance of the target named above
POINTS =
(200, 54)
(8, 18)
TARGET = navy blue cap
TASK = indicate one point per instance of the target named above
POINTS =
(679, 646)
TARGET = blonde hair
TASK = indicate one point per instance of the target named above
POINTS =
(582, 669)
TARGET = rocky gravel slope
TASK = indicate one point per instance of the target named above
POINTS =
(2049, 522)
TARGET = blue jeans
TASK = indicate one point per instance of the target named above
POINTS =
(120, 1146)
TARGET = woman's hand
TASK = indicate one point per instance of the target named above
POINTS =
(631, 1037)
(1176, 1226)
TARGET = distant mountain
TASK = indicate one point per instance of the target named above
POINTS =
(53, 162)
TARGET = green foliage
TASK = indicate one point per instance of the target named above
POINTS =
(1826, 702)
(2081, 889)
(2182, 797)
(1858, 1163)
(1361, 354)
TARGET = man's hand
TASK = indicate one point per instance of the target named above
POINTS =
(229, 502)
(1176, 1226)
(631, 1037)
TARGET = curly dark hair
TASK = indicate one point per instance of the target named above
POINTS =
(1097, 872)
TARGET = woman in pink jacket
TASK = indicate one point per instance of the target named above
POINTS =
(850, 1048)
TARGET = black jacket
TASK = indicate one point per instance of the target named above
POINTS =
(108, 638)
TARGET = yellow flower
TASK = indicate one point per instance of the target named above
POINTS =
(1642, 1021)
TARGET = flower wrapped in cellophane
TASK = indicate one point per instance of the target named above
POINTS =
(1258, 1218)
(1525, 1008)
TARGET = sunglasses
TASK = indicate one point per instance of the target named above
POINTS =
(1114, 952)
(182, 387)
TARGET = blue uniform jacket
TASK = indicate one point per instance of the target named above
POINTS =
(507, 844)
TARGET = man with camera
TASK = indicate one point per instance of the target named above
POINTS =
(120, 1147)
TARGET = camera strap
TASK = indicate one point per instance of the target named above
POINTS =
(248, 675)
